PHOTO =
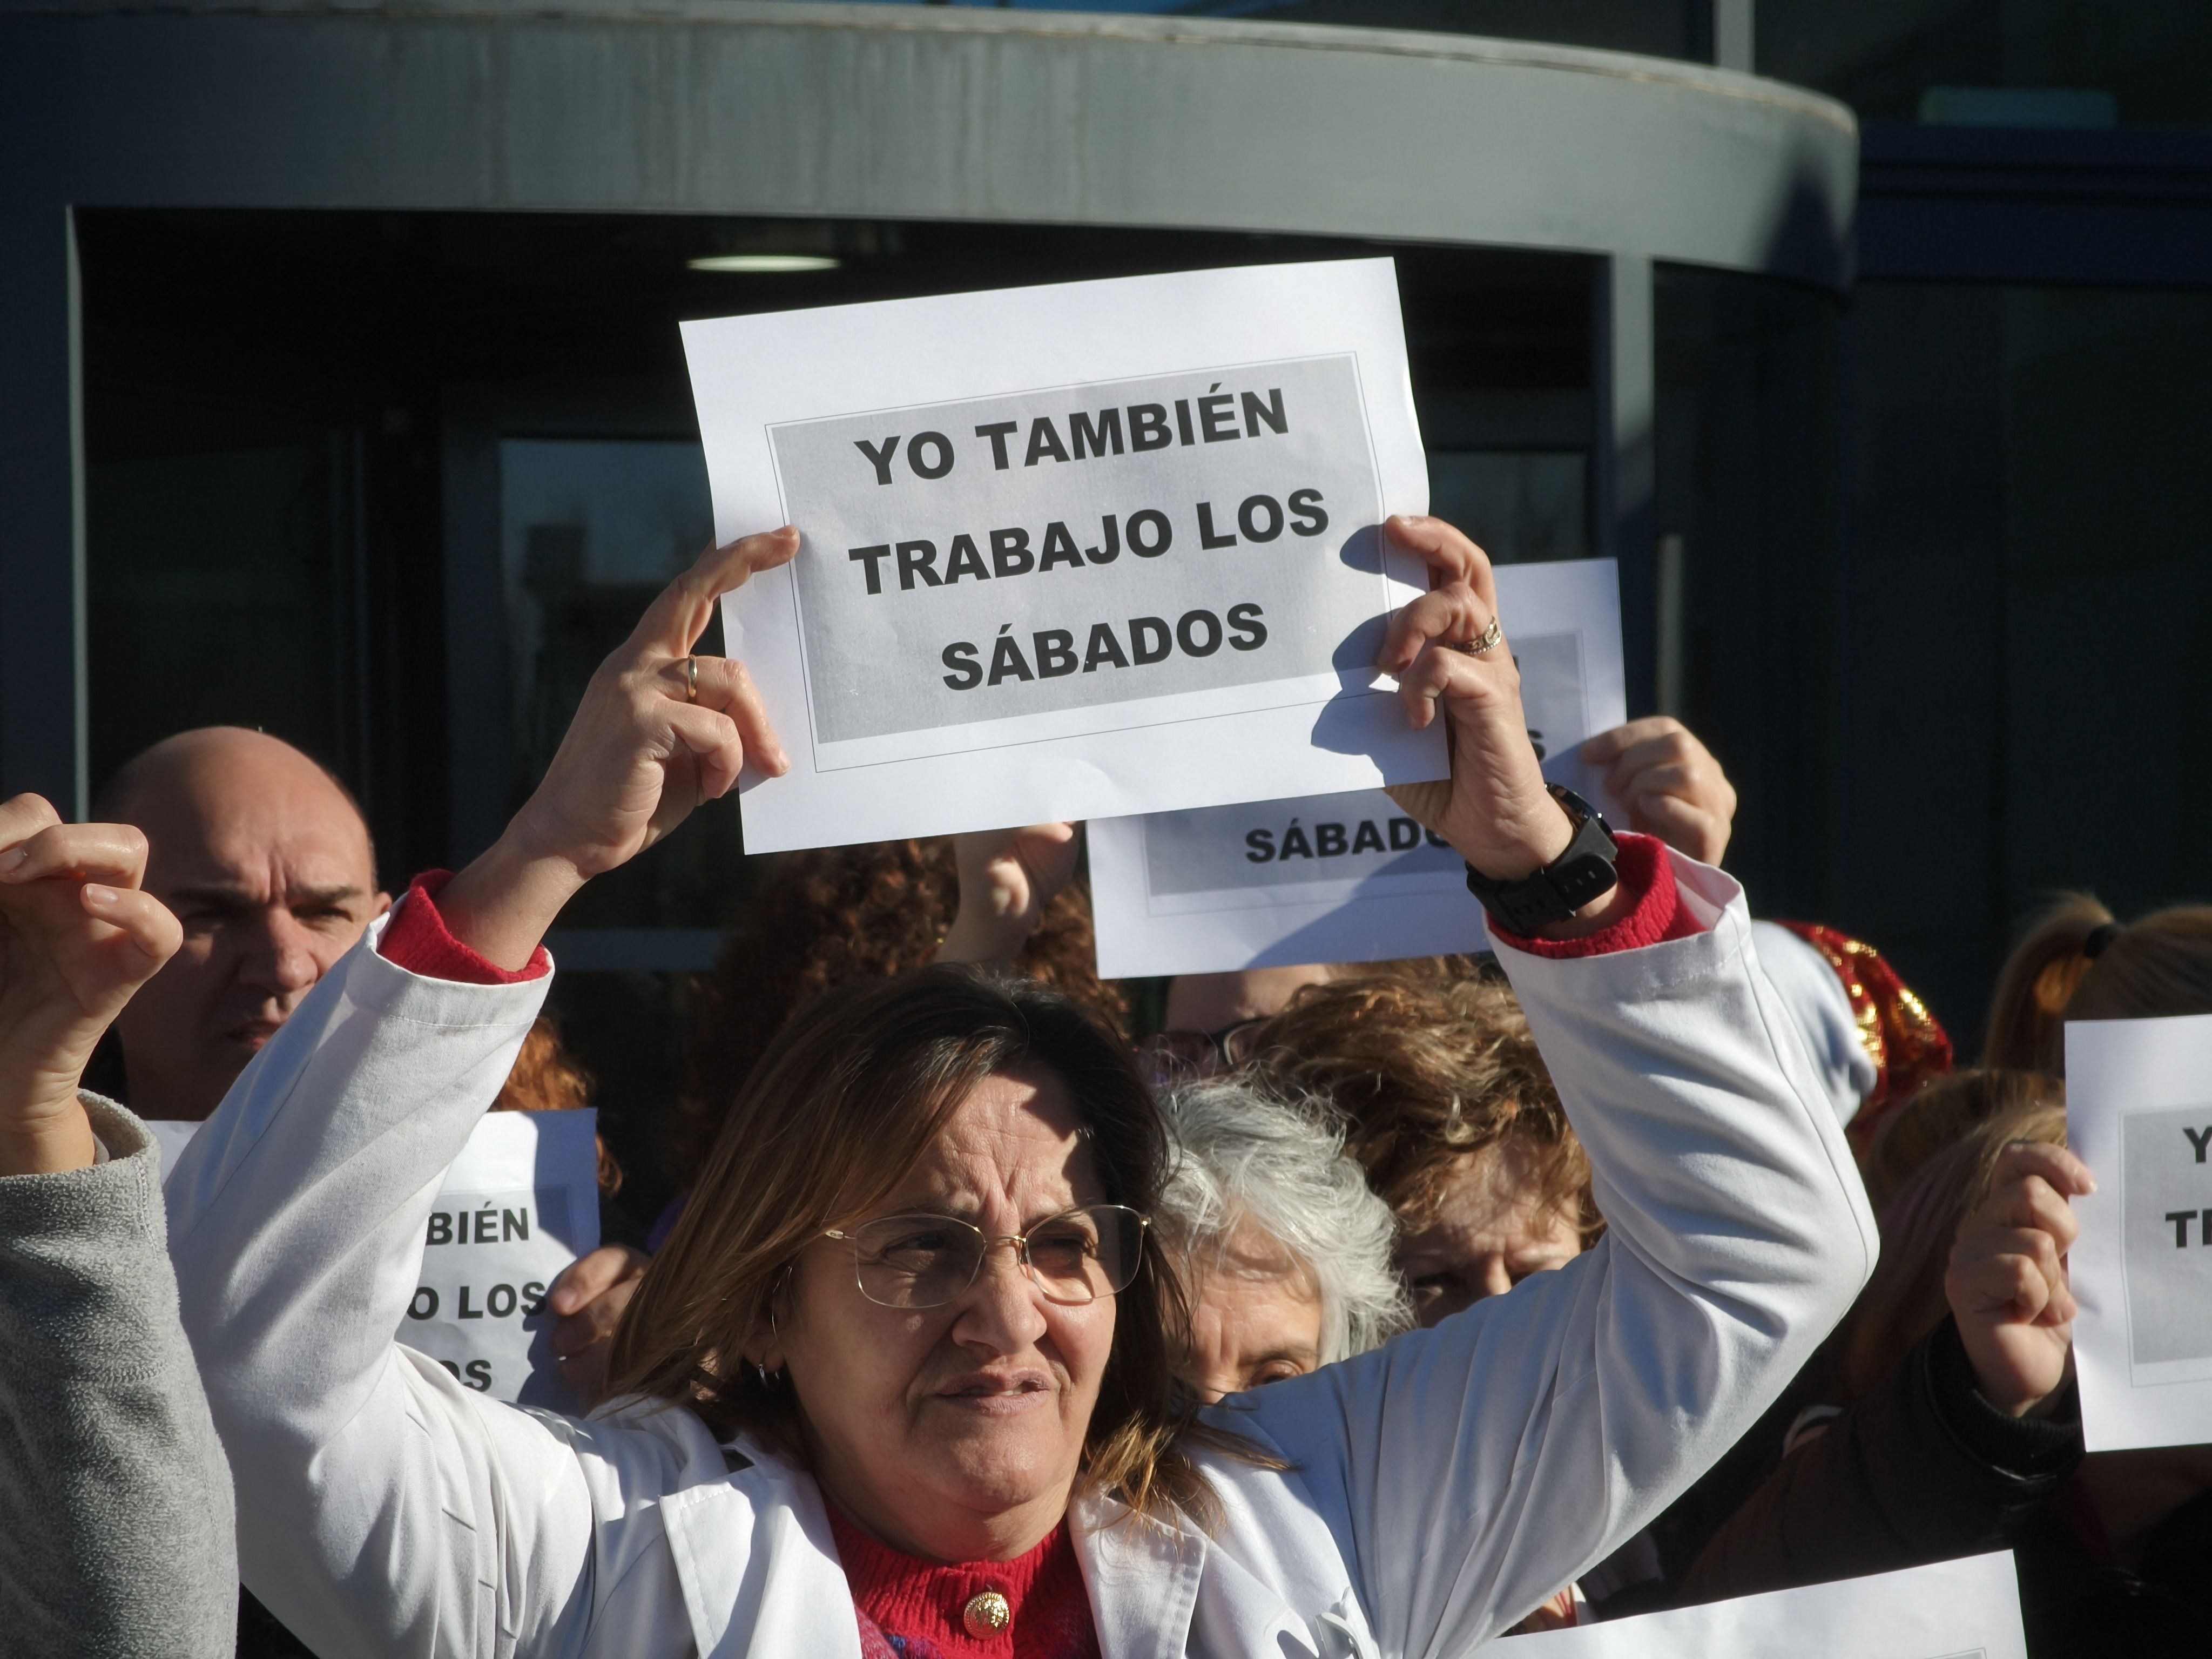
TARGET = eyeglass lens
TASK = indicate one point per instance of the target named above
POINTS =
(925, 1261)
(1180, 1056)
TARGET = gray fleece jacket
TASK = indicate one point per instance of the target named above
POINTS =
(117, 1535)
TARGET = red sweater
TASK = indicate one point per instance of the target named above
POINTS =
(914, 1609)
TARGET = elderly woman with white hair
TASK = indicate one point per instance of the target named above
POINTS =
(1283, 1248)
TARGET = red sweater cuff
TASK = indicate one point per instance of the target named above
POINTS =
(418, 941)
(1658, 915)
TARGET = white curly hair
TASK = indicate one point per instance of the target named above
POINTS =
(1247, 1155)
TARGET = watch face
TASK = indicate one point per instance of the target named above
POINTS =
(1582, 811)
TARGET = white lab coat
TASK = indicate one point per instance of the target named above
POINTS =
(1442, 1485)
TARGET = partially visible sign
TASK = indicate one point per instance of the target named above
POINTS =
(519, 1204)
(1965, 1609)
(2139, 1113)
(1351, 877)
(1094, 548)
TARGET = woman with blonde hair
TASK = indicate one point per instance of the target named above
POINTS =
(901, 1378)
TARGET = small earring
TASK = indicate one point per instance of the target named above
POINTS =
(767, 1377)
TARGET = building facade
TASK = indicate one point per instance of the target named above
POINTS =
(343, 394)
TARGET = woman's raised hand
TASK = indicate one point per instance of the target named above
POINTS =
(640, 753)
(1494, 810)
(1007, 877)
(2007, 1279)
(77, 938)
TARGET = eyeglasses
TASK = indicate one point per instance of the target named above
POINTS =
(927, 1260)
(1178, 1056)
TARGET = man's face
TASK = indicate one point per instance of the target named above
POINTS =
(268, 867)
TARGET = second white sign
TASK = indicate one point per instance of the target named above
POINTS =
(1351, 877)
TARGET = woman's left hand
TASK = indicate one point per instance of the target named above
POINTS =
(1008, 878)
(77, 938)
(1495, 810)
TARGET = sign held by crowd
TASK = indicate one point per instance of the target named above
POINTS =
(1352, 878)
(519, 1204)
(1963, 1609)
(2139, 1114)
(1045, 529)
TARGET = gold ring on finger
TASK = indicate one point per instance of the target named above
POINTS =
(1491, 638)
(690, 679)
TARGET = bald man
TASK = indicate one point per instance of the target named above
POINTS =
(266, 861)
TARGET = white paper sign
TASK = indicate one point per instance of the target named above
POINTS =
(1350, 878)
(519, 1204)
(1966, 1609)
(2139, 1114)
(1069, 552)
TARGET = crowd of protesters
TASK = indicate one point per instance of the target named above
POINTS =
(1655, 1256)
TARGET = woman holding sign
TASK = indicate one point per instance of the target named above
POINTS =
(899, 1382)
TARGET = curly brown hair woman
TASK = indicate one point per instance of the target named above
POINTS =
(1455, 1118)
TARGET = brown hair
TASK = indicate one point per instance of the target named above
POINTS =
(1903, 1300)
(2028, 1011)
(1941, 1113)
(1432, 1068)
(2077, 962)
(546, 1077)
(836, 916)
(846, 1101)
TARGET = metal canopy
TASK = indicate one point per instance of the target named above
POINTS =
(731, 107)
(741, 108)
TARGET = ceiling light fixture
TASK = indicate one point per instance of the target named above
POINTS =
(761, 263)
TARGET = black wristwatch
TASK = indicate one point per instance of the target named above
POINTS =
(1582, 873)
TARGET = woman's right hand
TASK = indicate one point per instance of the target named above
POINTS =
(77, 938)
(640, 753)
(1494, 809)
(2007, 1279)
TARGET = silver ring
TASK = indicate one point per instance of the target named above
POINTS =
(1491, 639)
(690, 679)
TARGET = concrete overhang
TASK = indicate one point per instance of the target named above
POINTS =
(739, 107)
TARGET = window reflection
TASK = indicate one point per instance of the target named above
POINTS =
(591, 529)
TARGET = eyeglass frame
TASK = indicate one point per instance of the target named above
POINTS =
(1020, 1242)
(1218, 1039)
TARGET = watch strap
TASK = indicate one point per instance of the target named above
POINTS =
(1582, 873)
